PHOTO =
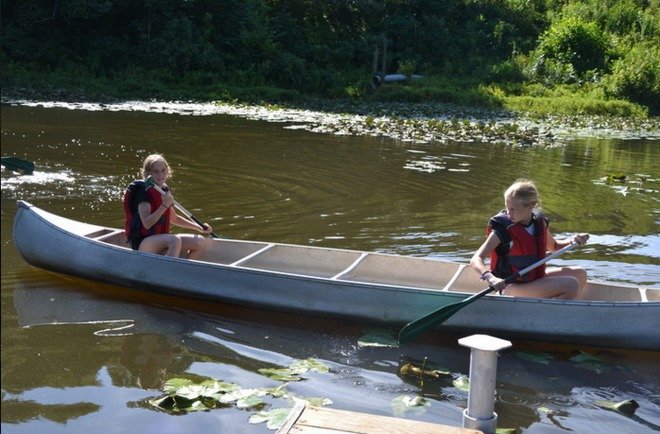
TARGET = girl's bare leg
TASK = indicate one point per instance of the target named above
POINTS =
(168, 244)
(195, 245)
(564, 283)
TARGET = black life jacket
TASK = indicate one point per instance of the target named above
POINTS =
(518, 249)
(135, 231)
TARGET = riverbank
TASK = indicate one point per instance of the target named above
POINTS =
(420, 123)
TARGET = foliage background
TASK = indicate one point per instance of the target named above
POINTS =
(483, 52)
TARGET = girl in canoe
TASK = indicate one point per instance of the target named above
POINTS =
(150, 214)
(518, 237)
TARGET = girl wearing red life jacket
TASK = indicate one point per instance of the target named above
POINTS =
(518, 237)
(149, 230)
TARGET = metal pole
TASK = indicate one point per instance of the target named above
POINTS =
(479, 413)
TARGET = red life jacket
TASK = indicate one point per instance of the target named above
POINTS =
(518, 249)
(133, 227)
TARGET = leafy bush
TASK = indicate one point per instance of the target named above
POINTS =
(574, 42)
(636, 76)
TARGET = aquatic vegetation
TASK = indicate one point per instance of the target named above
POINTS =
(418, 122)
(627, 407)
(537, 357)
(406, 404)
(462, 383)
(410, 369)
(593, 363)
(184, 395)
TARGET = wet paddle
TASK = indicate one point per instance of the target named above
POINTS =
(18, 165)
(415, 328)
(150, 182)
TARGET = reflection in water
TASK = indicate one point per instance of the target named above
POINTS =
(77, 355)
(150, 360)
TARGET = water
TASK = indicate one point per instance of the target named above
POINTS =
(80, 356)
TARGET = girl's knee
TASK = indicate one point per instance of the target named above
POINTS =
(174, 246)
(175, 241)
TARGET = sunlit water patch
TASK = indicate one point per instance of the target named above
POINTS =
(15, 181)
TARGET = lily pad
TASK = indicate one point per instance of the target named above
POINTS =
(280, 374)
(174, 384)
(238, 395)
(314, 401)
(587, 361)
(537, 357)
(626, 407)
(462, 383)
(276, 392)
(302, 366)
(616, 177)
(406, 404)
(274, 418)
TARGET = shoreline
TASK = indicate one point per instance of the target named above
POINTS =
(407, 122)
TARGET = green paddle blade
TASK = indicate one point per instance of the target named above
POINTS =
(415, 328)
(18, 165)
(421, 325)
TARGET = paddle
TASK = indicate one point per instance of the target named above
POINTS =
(18, 165)
(421, 325)
(150, 182)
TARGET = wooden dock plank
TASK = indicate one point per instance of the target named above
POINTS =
(319, 420)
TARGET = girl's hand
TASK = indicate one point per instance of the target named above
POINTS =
(494, 281)
(168, 199)
(207, 228)
(581, 239)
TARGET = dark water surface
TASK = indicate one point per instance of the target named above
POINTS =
(79, 356)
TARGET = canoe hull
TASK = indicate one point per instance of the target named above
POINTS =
(65, 246)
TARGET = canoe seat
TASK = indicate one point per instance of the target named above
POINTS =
(468, 281)
(653, 294)
(230, 251)
(302, 260)
(601, 292)
(114, 236)
(401, 271)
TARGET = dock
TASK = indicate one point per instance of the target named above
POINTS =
(316, 420)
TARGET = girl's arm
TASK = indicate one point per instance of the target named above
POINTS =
(554, 244)
(477, 261)
(186, 223)
(149, 218)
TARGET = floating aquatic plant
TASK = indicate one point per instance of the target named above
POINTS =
(410, 369)
(406, 404)
(274, 418)
(627, 407)
(293, 372)
(185, 395)
(617, 177)
(585, 360)
(462, 383)
(536, 357)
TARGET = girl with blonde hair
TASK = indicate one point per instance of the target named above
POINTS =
(150, 214)
(518, 237)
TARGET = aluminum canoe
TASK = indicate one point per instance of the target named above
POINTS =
(370, 287)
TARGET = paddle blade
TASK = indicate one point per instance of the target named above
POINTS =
(418, 327)
(18, 165)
